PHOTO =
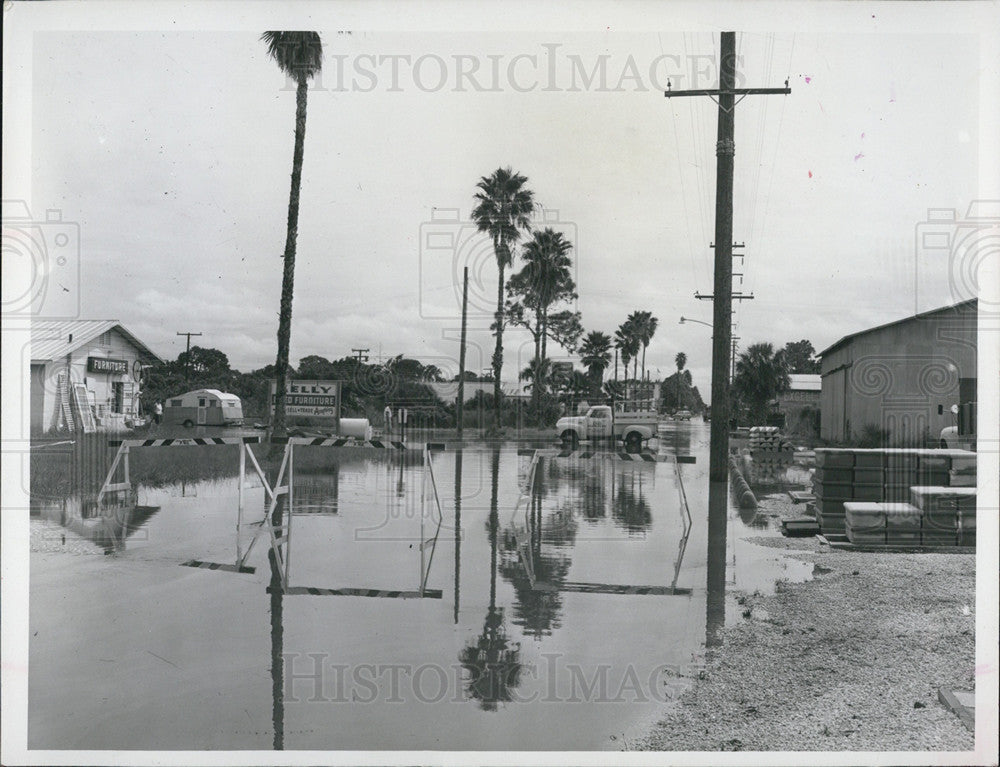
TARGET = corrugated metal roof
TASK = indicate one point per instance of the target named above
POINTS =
(53, 339)
(922, 315)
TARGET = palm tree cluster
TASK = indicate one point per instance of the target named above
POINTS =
(761, 374)
(503, 211)
(633, 336)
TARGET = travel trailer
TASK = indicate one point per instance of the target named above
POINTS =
(204, 407)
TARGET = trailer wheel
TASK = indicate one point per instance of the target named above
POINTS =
(570, 438)
(633, 442)
(188, 423)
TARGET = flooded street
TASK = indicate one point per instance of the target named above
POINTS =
(556, 614)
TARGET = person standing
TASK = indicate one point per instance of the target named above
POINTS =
(158, 412)
(387, 420)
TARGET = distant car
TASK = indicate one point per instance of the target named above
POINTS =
(682, 415)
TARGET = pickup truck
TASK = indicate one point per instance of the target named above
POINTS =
(962, 435)
(601, 422)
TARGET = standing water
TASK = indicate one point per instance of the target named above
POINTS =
(562, 604)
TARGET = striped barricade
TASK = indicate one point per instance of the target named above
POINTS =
(344, 442)
(181, 441)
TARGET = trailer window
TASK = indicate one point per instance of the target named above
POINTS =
(176, 402)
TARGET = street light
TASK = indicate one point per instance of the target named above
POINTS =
(688, 319)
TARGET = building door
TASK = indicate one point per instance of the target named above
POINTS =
(118, 397)
(202, 410)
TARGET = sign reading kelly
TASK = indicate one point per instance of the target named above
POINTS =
(310, 398)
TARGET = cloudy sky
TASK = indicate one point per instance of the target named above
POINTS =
(170, 145)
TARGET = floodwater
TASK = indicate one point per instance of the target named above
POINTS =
(557, 613)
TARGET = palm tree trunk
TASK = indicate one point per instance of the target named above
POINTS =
(498, 351)
(278, 426)
(644, 363)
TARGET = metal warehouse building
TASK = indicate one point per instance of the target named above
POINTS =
(902, 377)
(85, 374)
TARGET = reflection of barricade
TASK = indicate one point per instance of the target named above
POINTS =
(519, 534)
(279, 535)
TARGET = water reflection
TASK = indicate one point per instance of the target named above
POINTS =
(629, 505)
(493, 662)
(458, 528)
(716, 580)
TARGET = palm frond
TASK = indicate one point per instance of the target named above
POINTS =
(298, 54)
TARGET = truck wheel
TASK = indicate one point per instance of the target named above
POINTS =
(944, 444)
(633, 443)
(188, 423)
(570, 438)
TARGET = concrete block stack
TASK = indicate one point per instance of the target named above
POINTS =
(935, 516)
(948, 514)
(962, 472)
(878, 483)
(900, 474)
(767, 445)
(833, 483)
(869, 475)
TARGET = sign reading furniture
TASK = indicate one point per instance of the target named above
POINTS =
(106, 365)
(316, 399)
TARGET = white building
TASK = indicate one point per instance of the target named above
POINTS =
(85, 374)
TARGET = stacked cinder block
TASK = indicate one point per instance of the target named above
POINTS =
(962, 472)
(877, 484)
(882, 523)
(833, 483)
(936, 516)
(868, 475)
(948, 514)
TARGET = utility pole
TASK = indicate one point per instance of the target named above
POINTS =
(361, 355)
(460, 409)
(718, 470)
(187, 356)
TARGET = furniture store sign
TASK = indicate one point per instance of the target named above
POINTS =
(106, 365)
(316, 399)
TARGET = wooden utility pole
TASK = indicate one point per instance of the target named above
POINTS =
(718, 470)
(460, 409)
(187, 356)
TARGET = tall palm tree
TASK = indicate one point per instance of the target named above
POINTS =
(595, 352)
(545, 279)
(547, 273)
(300, 56)
(503, 210)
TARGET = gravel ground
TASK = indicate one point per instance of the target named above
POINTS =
(849, 661)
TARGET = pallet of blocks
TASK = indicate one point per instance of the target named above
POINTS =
(833, 484)
(948, 514)
(770, 451)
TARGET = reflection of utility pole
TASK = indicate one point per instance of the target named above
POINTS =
(460, 407)
(187, 356)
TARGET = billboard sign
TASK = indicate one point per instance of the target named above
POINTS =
(314, 399)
